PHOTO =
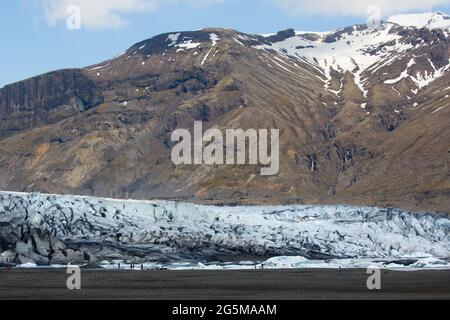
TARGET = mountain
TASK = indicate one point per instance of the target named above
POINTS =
(363, 117)
(49, 229)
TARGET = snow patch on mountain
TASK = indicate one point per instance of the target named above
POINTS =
(214, 38)
(173, 38)
(361, 50)
(424, 79)
(430, 20)
(353, 50)
(187, 45)
(403, 75)
(420, 78)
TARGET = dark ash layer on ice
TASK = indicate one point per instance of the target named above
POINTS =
(50, 229)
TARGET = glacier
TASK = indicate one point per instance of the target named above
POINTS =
(42, 230)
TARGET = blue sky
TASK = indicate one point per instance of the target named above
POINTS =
(35, 38)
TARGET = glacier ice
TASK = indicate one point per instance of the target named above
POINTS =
(51, 229)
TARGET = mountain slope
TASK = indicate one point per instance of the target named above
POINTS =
(363, 115)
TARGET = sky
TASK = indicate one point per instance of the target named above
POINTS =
(35, 37)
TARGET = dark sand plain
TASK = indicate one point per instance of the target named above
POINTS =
(223, 285)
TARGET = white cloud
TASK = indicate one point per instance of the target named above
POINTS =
(104, 14)
(355, 8)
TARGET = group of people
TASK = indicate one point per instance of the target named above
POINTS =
(132, 267)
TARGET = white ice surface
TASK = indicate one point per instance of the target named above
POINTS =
(174, 229)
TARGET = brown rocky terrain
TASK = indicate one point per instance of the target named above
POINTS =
(373, 133)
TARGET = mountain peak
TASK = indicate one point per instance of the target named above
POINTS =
(360, 109)
(429, 20)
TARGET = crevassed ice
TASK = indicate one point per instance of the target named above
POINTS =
(336, 232)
